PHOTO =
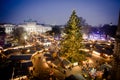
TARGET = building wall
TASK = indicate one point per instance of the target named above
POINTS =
(28, 26)
(34, 27)
(8, 28)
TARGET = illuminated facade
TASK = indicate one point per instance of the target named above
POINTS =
(32, 26)
(29, 26)
(8, 28)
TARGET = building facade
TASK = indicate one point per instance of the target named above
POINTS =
(8, 28)
(116, 55)
(32, 26)
(29, 26)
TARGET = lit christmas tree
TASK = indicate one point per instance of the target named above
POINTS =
(71, 41)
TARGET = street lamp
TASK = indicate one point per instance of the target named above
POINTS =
(25, 37)
(91, 49)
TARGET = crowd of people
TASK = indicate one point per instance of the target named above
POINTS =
(101, 71)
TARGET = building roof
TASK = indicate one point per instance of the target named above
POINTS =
(27, 63)
(21, 57)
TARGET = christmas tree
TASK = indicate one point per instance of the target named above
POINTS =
(71, 41)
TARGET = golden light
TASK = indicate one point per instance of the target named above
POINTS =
(75, 64)
(46, 65)
(48, 62)
(44, 60)
(28, 50)
(86, 50)
(25, 37)
(97, 53)
(90, 61)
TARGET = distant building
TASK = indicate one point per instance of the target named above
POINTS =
(8, 28)
(29, 26)
(32, 27)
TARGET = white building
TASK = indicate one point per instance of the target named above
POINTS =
(29, 26)
(8, 28)
(32, 26)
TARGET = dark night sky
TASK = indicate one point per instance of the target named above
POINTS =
(95, 12)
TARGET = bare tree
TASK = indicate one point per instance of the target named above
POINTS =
(18, 34)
